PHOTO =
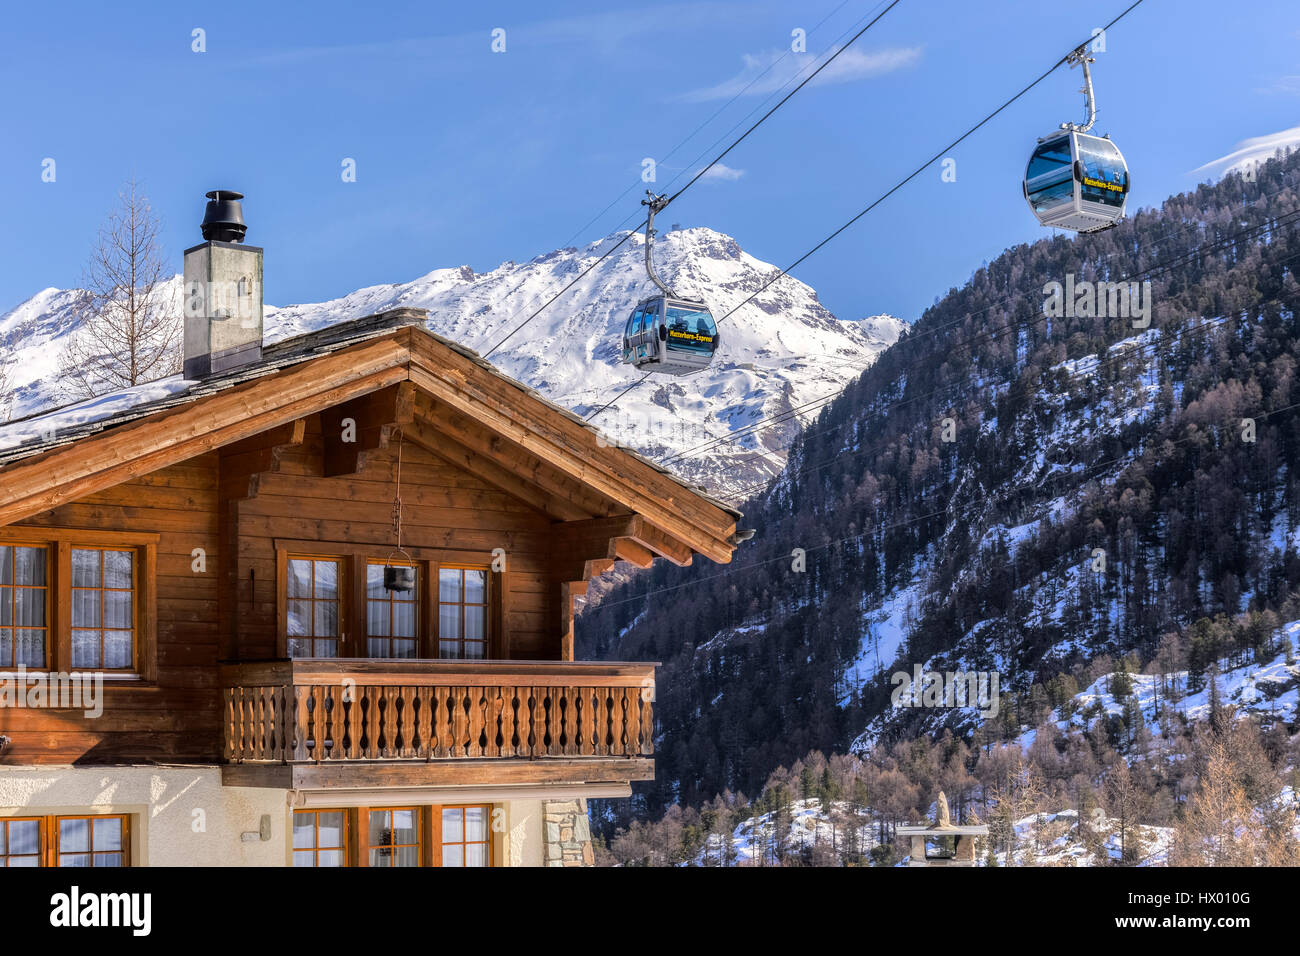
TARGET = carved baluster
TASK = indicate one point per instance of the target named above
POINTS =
(300, 697)
(536, 722)
(459, 722)
(633, 744)
(326, 742)
(493, 714)
(282, 723)
(568, 698)
(338, 724)
(647, 721)
(554, 745)
(384, 722)
(422, 724)
(228, 709)
(438, 740)
(506, 700)
(601, 721)
(370, 722)
(586, 729)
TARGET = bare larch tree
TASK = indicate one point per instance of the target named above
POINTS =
(6, 396)
(129, 318)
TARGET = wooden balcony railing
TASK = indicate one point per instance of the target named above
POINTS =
(337, 712)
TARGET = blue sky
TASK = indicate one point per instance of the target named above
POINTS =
(466, 156)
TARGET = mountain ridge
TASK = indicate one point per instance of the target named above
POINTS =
(781, 351)
(1004, 491)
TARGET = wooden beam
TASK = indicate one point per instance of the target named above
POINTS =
(242, 462)
(627, 549)
(65, 474)
(372, 421)
(349, 775)
(662, 543)
(637, 534)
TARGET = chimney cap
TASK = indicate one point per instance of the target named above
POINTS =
(223, 219)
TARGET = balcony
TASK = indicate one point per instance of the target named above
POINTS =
(350, 724)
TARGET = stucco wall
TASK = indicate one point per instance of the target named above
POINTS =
(523, 844)
(182, 816)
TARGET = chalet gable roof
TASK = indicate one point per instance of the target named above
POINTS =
(451, 400)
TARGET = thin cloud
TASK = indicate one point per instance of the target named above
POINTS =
(1250, 152)
(767, 72)
(1286, 85)
(721, 173)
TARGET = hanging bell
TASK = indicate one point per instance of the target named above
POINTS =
(399, 577)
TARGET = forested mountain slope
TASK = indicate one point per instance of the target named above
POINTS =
(1004, 490)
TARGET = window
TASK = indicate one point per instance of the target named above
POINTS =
(1050, 157)
(1104, 173)
(20, 843)
(24, 606)
(314, 607)
(465, 840)
(698, 327)
(395, 837)
(91, 840)
(1049, 180)
(390, 616)
(77, 600)
(103, 608)
(462, 613)
(319, 838)
(337, 605)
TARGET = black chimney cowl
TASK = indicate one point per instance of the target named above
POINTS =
(223, 219)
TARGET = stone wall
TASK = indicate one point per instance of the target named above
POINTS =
(567, 834)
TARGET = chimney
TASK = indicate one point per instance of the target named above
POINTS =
(223, 292)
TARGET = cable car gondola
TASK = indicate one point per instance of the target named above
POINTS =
(667, 333)
(1075, 180)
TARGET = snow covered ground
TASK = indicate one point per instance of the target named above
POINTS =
(754, 841)
(1053, 839)
(1044, 839)
(1269, 688)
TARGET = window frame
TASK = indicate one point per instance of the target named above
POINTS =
(356, 830)
(488, 612)
(422, 835)
(40, 841)
(487, 826)
(60, 543)
(420, 582)
(354, 626)
(344, 611)
(348, 837)
(102, 591)
(48, 837)
(49, 588)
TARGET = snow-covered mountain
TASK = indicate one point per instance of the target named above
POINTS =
(782, 351)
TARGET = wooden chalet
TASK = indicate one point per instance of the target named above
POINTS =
(214, 554)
